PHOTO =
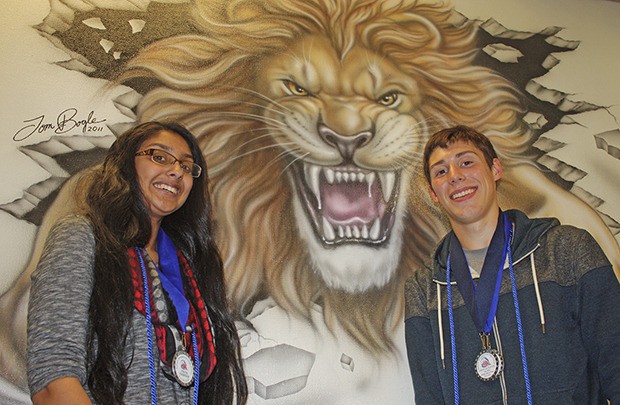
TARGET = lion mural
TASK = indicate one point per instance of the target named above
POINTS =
(313, 115)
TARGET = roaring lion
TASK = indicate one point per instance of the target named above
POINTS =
(313, 115)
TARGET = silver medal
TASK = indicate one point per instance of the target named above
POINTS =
(489, 365)
(183, 368)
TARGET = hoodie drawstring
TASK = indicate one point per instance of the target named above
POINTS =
(442, 350)
(541, 310)
(519, 327)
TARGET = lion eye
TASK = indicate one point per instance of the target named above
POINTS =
(295, 88)
(388, 99)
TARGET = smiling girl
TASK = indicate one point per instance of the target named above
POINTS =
(128, 303)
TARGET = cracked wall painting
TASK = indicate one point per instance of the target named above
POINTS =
(312, 115)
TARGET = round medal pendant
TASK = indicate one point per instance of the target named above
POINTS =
(489, 365)
(183, 368)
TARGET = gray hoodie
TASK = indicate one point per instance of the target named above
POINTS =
(569, 308)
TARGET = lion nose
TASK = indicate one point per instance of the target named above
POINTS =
(346, 144)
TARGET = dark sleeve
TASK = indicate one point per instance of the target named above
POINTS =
(421, 354)
(599, 303)
(58, 305)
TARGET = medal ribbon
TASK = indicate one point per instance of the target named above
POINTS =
(170, 275)
(482, 300)
(468, 288)
(149, 333)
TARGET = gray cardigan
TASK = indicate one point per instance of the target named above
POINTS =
(58, 320)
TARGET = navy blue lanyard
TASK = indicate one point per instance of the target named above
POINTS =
(482, 299)
(508, 235)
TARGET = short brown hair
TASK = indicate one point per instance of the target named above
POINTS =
(447, 136)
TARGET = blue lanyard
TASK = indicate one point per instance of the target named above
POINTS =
(149, 333)
(171, 281)
(149, 328)
(170, 275)
(528, 390)
(481, 300)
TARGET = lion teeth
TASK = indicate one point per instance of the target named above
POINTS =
(330, 176)
(375, 229)
(347, 231)
(387, 180)
(370, 179)
(343, 176)
(312, 176)
(365, 231)
(328, 230)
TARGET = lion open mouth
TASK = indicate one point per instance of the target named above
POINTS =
(348, 204)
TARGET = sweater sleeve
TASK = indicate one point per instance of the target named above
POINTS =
(599, 303)
(59, 303)
(419, 339)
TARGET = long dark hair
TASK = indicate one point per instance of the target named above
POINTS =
(114, 204)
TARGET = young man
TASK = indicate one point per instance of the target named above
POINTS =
(513, 310)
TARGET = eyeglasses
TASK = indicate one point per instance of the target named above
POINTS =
(163, 158)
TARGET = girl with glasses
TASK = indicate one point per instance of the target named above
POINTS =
(128, 303)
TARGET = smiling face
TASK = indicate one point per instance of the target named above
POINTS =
(464, 185)
(165, 188)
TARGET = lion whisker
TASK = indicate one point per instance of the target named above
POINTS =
(282, 154)
(254, 139)
(247, 116)
(260, 95)
(263, 107)
(225, 163)
(247, 132)
(244, 132)
(293, 161)
(260, 118)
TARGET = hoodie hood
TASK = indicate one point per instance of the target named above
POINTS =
(527, 233)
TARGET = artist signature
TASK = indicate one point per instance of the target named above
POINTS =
(65, 121)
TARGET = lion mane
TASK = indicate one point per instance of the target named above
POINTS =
(213, 81)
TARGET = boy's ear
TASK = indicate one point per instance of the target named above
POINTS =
(432, 194)
(497, 169)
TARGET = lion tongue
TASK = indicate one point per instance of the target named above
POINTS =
(352, 202)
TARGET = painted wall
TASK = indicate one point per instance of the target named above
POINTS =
(321, 303)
